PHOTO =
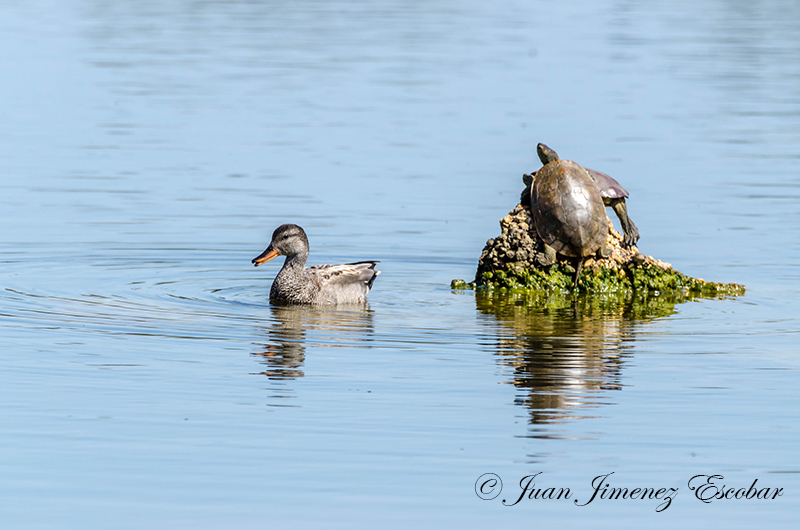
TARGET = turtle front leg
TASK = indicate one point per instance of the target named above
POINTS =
(548, 257)
(628, 228)
(525, 196)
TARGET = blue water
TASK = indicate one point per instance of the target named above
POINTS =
(148, 150)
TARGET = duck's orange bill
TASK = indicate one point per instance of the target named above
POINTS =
(265, 256)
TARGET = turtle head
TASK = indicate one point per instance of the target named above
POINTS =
(527, 180)
(546, 155)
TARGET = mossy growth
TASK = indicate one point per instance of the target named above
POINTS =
(627, 305)
(642, 279)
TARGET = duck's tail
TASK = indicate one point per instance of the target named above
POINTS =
(367, 271)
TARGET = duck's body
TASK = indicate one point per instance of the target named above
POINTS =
(323, 284)
(319, 285)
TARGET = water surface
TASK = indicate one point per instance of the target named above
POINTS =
(148, 150)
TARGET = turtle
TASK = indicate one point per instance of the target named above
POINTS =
(614, 196)
(567, 210)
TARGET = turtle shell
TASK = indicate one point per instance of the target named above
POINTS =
(609, 187)
(568, 209)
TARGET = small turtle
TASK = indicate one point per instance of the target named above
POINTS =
(567, 210)
(614, 196)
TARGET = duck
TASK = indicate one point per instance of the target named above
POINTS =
(319, 285)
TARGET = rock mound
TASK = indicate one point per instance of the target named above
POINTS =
(512, 260)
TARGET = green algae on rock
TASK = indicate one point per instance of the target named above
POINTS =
(611, 305)
(512, 261)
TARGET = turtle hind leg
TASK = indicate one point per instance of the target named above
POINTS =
(629, 229)
(578, 267)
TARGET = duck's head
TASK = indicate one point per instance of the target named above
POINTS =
(287, 240)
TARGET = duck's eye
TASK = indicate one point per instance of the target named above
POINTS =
(285, 236)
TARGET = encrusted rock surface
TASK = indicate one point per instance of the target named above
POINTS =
(510, 261)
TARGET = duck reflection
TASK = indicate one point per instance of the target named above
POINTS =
(295, 327)
(566, 354)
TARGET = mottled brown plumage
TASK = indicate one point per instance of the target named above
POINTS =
(319, 285)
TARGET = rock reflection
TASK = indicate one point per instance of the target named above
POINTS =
(566, 354)
(294, 328)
